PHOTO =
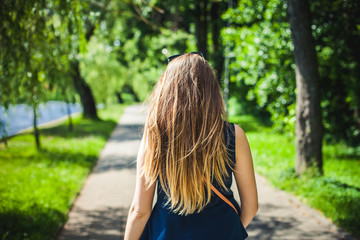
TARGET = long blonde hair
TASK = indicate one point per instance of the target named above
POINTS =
(184, 134)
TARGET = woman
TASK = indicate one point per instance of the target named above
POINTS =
(190, 151)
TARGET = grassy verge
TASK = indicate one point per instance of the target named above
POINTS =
(38, 188)
(336, 193)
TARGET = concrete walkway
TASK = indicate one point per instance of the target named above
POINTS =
(101, 209)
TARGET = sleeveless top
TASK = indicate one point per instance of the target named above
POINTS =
(216, 221)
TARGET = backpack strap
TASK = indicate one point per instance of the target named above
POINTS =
(223, 198)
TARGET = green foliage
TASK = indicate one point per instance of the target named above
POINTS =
(263, 69)
(142, 59)
(262, 66)
(33, 51)
(102, 70)
(147, 70)
(336, 194)
(41, 41)
(120, 43)
(38, 188)
(125, 52)
(337, 36)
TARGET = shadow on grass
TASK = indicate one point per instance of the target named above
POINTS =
(37, 223)
(339, 184)
(348, 156)
(54, 157)
(84, 128)
(337, 200)
(342, 151)
(40, 222)
(57, 156)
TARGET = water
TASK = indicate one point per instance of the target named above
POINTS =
(20, 116)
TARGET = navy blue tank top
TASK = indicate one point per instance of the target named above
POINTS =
(217, 221)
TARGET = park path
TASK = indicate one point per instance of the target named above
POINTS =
(100, 211)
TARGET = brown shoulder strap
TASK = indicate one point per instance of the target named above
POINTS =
(223, 198)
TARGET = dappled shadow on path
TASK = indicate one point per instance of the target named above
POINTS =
(105, 223)
(116, 163)
(127, 132)
(122, 148)
(261, 228)
(272, 224)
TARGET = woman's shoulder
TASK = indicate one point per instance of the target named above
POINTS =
(234, 129)
(229, 125)
(234, 134)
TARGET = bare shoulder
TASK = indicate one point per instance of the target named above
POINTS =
(242, 148)
(239, 134)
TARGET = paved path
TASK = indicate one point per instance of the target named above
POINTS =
(101, 209)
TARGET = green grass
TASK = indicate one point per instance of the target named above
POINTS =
(336, 193)
(38, 188)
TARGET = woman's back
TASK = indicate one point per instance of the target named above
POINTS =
(215, 221)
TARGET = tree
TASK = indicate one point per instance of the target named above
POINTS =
(335, 28)
(3, 133)
(308, 111)
(262, 77)
(201, 25)
(84, 90)
(39, 41)
(263, 72)
(26, 55)
(218, 49)
(79, 14)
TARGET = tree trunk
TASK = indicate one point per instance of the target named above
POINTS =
(308, 111)
(36, 130)
(217, 47)
(84, 90)
(201, 25)
(353, 43)
(3, 132)
(69, 116)
(4, 140)
(132, 92)
(119, 98)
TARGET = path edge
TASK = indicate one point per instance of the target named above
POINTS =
(58, 232)
(313, 212)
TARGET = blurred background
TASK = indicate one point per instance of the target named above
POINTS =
(61, 58)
